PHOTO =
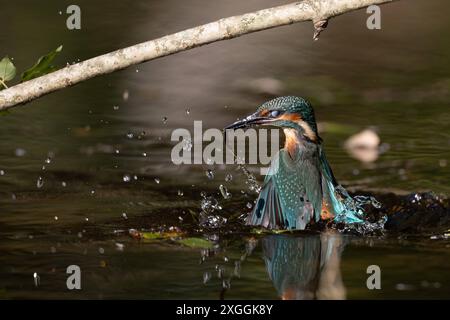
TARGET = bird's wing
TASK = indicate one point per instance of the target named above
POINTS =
(284, 201)
(267, 211)
(336, 204)
(310, 174)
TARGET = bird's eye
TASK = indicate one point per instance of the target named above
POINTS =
(275, 113)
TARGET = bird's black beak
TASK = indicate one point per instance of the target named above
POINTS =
(254, 119)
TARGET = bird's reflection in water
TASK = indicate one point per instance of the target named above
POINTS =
(305, 267)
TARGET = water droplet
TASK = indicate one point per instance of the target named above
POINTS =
(237, 269)
(141, 135)
(2, 173)
(144, 154)
(164, 119)
(213, 237)
(224, 192)
(125, 95)
(36, 279)
(188, 111)
(117, 151)
(157, 180)
(220, 271)
(64, 184)
(206, 277)
(228, 177)
(404, 287)
(126, 178)
(210, 174)
(226, 284)
(209, 204)
(48, 160)
(124, 215)
(115, 108)
(119, 246)
(20, 152)
(56, 218)
(40, 183)
(251, 180)
(207, 218)
(180, 193)
(130, 135)
(249, 205)
(101, 250)
(187, 144)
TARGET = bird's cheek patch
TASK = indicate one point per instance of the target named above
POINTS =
(308, 131)
(290, 117)
(297, 119)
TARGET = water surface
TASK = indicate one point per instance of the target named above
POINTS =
(395, 80)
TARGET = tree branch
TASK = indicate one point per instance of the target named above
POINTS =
(317, 11)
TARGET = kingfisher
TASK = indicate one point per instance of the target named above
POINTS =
(300, 188)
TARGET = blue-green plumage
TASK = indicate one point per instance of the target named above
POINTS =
(289, 198)
(305, 267)
(300, 186)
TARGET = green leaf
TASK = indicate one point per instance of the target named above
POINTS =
(42, 66)
(151, 235)
(158, 235)
(196, 243)
(7, 70)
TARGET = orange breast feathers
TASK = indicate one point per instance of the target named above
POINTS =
(291, 141)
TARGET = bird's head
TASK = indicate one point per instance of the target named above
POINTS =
(286, 113)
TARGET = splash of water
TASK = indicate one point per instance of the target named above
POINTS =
(357, 206)
(251, 182)
(208, 216)
(224, 192)
(210, 174)
(40, 182)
